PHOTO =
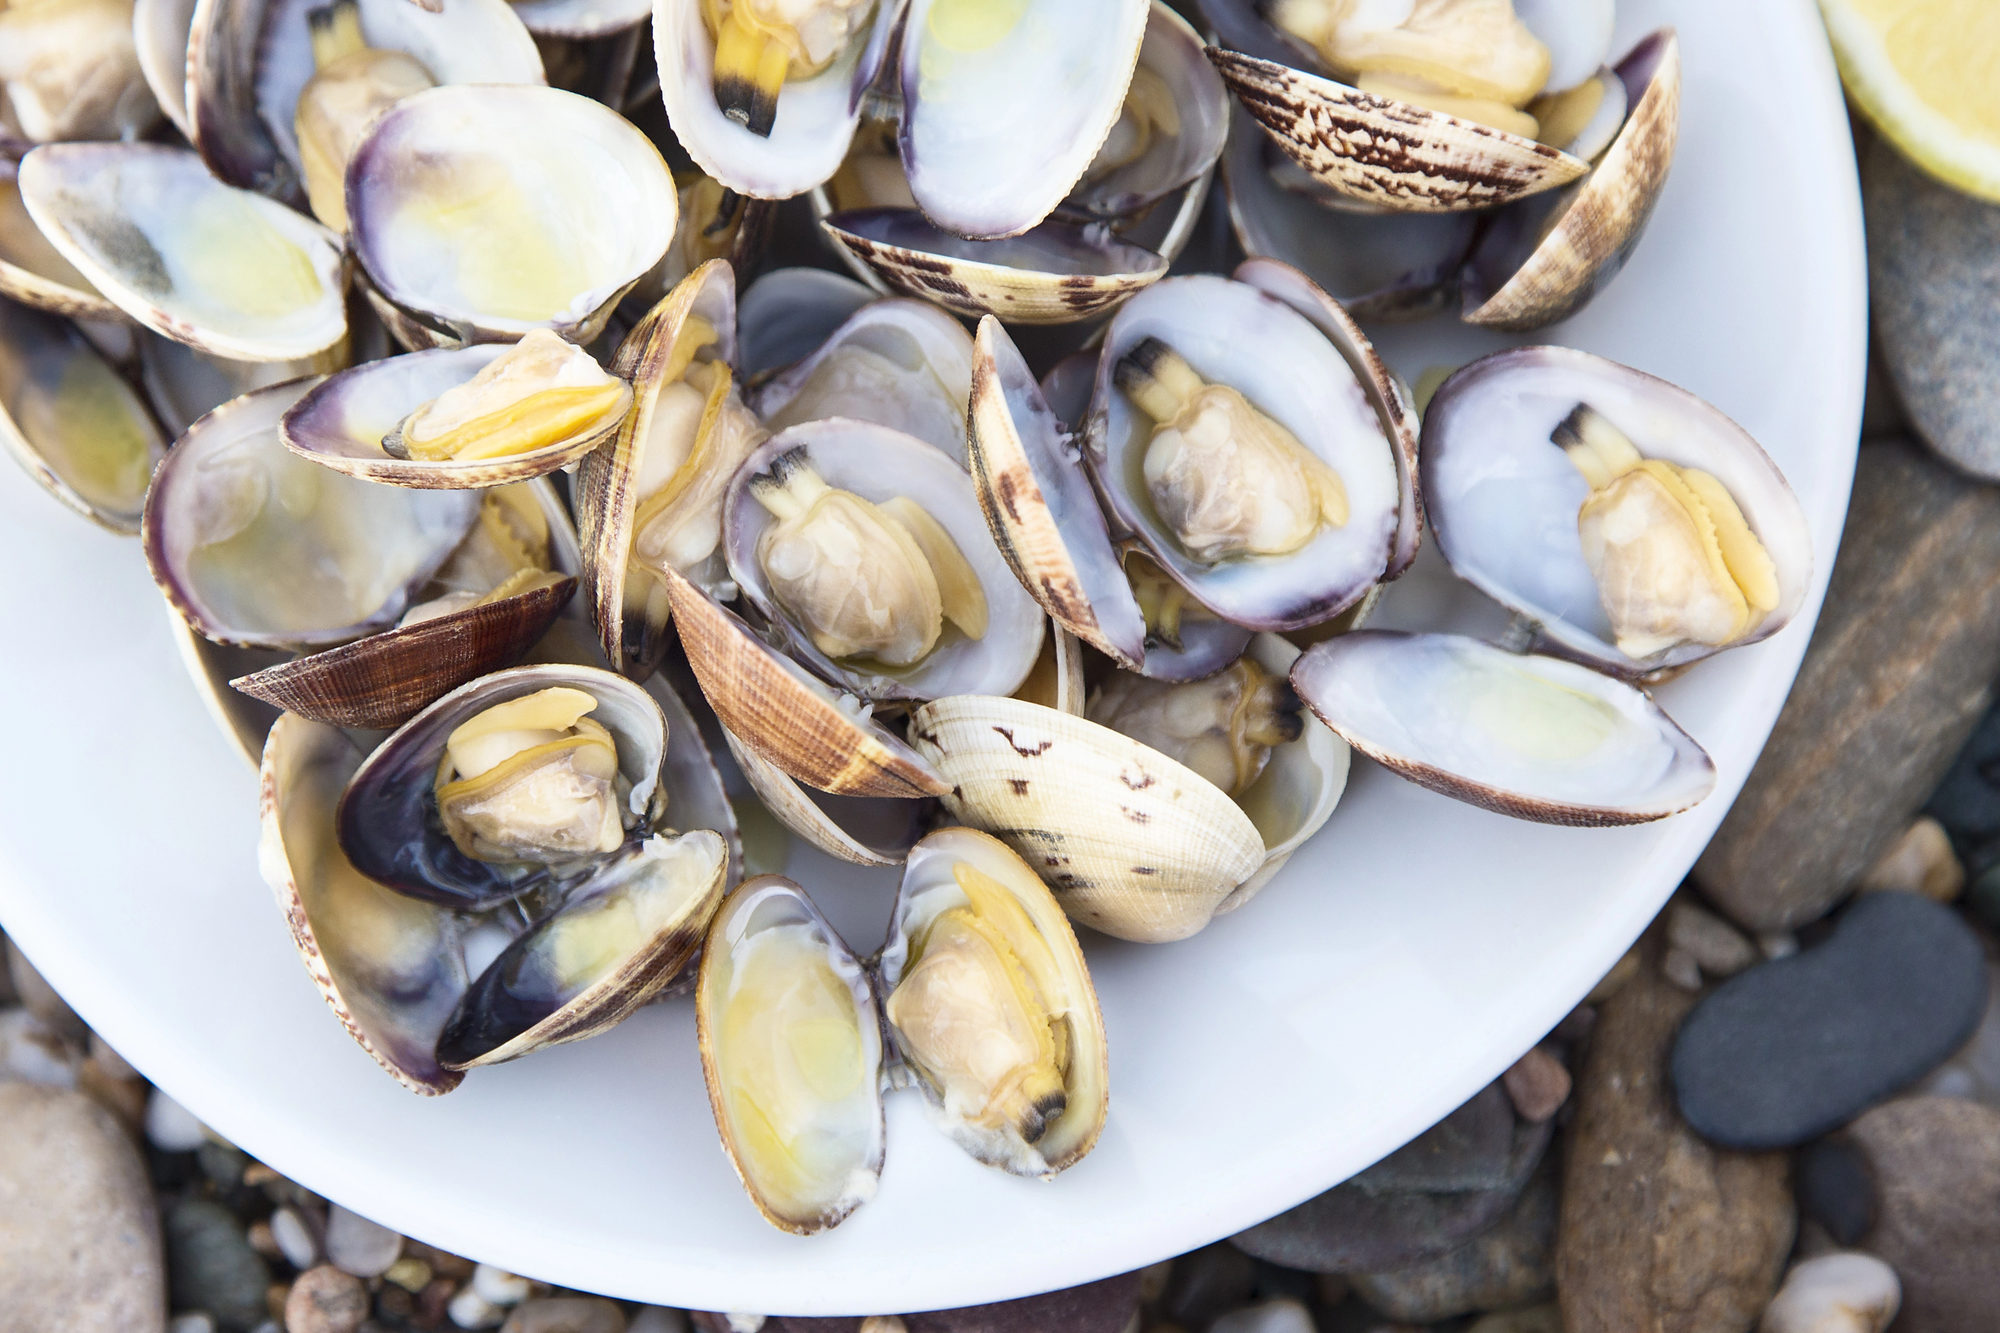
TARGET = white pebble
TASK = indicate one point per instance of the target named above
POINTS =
(1845, 1292)
(1281, 1316)
(356, 1245)
(32, 1052)
(1718, 946)
(294, 1238)
(498, 1285)
(171, 1127)
(658, 1319)
(469, 1309)
(191, 1323)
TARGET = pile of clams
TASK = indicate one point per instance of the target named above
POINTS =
(571, 457)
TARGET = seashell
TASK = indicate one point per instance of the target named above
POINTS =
(32, 271)
(897, 363)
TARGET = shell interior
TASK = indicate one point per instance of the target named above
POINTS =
(581, 19)
(160, 31)
(866, 830)
(1533, 737)
(791, 1049)
(787, 313)
(256, 546)
(34, 272)
(1171, 56)
(224, 270)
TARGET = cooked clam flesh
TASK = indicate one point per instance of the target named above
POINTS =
(1222, 727)
(69, 69)
(353, 81)
(973, 1014)
(540, 391)
(759, 44)
(1674, 559)
(505, 554)
(533, 779)
(864, 580)
(1225, 478)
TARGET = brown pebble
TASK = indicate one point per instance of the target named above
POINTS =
(275, 1296)
(325, 1300)
(883, 1323)
(123, 1097)
(1332, 1288)
(1920, 861)
(567, 1314)
(442, 1262)
(262, 1241)
(394, 1303)
(1538, 1085)
(431, 1302)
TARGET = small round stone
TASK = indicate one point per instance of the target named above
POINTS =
(410, 1273)
(1835, 1293)
(294, 1239)
(565, 1314)
(1266, 1317)
(1538, 1085)
(199, 1321)
(171, 1127)
(211, 1266)
(499, 1286)
(1719, 947)
(1836, 1188)
(657, 1319)
(1982, 897)
(358, 1246)
(1920, 861)
(326, 1300)
(468, 1309)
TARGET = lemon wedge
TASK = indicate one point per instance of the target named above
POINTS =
(1922, 71)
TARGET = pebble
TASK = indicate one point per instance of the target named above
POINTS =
(1921, 861)
(1936, 1167)
(1719, 947)
(1934, 290)
(1777, 943)
(1266, 1317)
(294, 1239)
(1107, 1306)
(1835, 1293)
(1508, 1264)
(1967, 801)
(81, 1248)
(565, 1314)
(212, 1266)
(883, 1323)
(197, 1322)
(1899, 669)
(1537, 1084)
(171, 1127)
(1682, 968)
(1974, 1069)
(468, 1309)
(1657, 1230)
(1535, 1319)
(1205, 1282)
(1836, 1188)
(657, 1319)
(326, 1300)
(358, 1246)
(412, 1275)
(1897, 987)
(32, 1052)
(1982, 897)
(1621, 972)
(1448, 1184)
(500, 1286)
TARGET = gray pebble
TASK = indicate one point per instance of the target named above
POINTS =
(565, 1314)
(1507, 1265)
(1718, 946)
(294, 1239)
(1682, 969)
(1267, 1317)
(171, 1127)
(197, 1322)
(358, 1246)
(211, 1265)
(657, 1319)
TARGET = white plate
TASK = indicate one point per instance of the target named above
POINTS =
(1403, 960)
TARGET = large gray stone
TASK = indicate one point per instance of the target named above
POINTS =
(1899, 670)
(79, 1237)
(1934, 283)
(1505, 1266)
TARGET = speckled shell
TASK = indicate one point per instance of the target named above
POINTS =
(1390, 153)
(1131, 842)
(1602, 216)
(1038, 277)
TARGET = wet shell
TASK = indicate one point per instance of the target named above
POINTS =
(788, 312)
(932, 358)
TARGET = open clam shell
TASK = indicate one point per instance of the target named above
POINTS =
(791, 1051)
(388, 821)
(632, 623)
(787, 313)
(383, 680)
(866, 830)
(257, 547)
(897, 363)
(221, 269)
(1238, 334)
(160, 32)
(244, 722)
(980, 173)
(32, 271)
(1504, 499)
(1054, 273)
(612, 945)
(488, 211)
(881, 465)
(795, 721)
(1542, 263)
(1031, 925)
(1132, 842)
(72, 422)
(1533, 737)
(391, 967)
(815, 117)
(184, 385)
(1040, 507)
(341, 423)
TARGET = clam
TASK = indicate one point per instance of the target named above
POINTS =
(788, 312)
(484, 608)
(1204, 379)
(867, 550)
(243, 721)
(897, 363)
(1169, 132)
(69, 70)
(1638, 528)
(223, 270)
(467, 418)
(1541, 262)
(1533, 737)
(71, 421)
(184, 385)
(866, 830)
(257, 547)
(1429, 119)
(484, 212)
(791, 1049)
(32, 271)
(653, 501)
(1054, 273)
(160, 30)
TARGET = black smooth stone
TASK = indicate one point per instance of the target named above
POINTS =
(1798, 1046)
(1967, 802)
(1836, 1188)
